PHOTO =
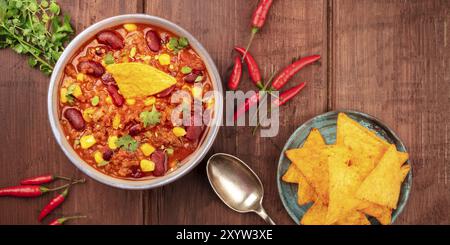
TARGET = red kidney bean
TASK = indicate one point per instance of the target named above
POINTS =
(111, 38)
(75, 118)
(165, 92)
(117, 98)
(160, 159)
(190, 78)
(135, 129)
(197, 72)
(108, 79)
(107, 154)
(91, 68)
(136, 172)
(193, 132)
(153, 41)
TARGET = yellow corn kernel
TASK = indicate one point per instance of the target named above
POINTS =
(132, 52)
(77, 91)
(80, 77)
(108, 100)
(179, 131)
(112, 142)
(87, 141)
(164, 59)
(87, 114)
(130, 27)
(116, 122)
(147, 149)
(147, 165)
(62, 95)
(197, 92)
(98, 157)
(149, 101)
(130, 101)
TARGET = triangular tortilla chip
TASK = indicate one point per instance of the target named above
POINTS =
(292, 174)
(382, 185)
(381, 213)
(404, 171)
(343, 183)
(313, 142)
(316, 214)
(366, 147)
(314, 139)
(305, 193)
(312, 163)
(354, 218)
(139, 80)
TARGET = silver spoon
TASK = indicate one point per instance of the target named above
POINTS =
(236, 184)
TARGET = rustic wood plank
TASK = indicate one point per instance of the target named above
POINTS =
(294, 28)
(391, 59)
(29, 148)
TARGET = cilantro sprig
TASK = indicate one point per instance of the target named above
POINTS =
(35, 28)
(127, 143)
(177, 44)
(150, 117)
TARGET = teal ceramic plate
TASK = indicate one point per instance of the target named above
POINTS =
(326, 123)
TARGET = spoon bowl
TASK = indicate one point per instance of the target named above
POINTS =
(236, 184)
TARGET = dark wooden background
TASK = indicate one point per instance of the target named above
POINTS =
(387, 58)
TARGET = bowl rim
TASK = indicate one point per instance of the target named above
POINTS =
(192, 161)
(380, 123)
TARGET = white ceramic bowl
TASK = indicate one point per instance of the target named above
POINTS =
(54, 114)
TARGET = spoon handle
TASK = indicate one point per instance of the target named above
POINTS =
(262, 213)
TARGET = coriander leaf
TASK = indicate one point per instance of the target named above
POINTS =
(150, 117)
(54, 8)
(177, 44)
(183, 42)
(127, 142)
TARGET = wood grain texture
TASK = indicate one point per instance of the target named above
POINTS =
(386, 58)
(29, 148)
(391, 60)
(294, 28)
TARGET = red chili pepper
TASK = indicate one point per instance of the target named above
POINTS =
(54, 203)
(260, 14)
(252, 66)
(258, 20)
(288, 72)
(250, 102)
(31, 190)
(23, 191)
(60, 221)
(235, 77)
(288, 94)
(41, 179)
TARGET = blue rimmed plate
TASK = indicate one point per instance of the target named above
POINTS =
(326, 123)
